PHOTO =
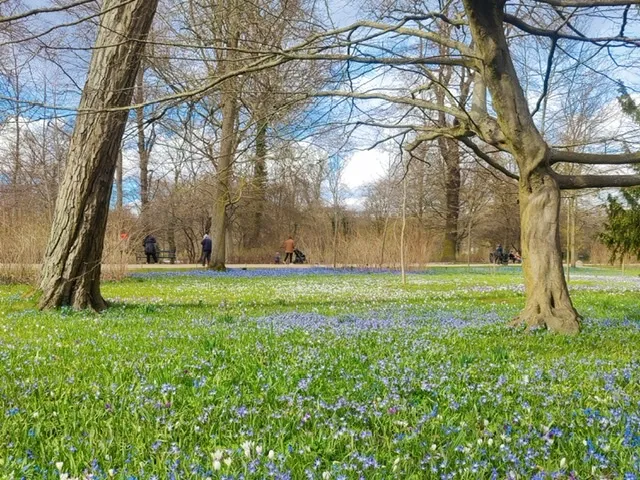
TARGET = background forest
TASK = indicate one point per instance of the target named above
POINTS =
(287, 167)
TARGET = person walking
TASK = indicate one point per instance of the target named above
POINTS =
(150, 244)
(289, 247)
(207, 246)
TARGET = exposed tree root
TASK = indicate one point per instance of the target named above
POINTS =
(564, 320)
(79, 298)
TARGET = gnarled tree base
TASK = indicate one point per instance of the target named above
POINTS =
(69, 294)
(543, 314)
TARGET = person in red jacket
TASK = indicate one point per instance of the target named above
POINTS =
(289, 247)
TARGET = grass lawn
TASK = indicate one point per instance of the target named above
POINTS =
(319, 374)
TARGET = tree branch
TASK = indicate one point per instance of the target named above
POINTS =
(436, 60)
(575, 182)
(554, 34)
(560, 156)
(38, 11)
(589, 3)
(490, 161)
(412, 102)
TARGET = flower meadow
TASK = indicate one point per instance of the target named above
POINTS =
(321, 374)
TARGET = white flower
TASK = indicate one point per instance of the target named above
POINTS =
(246, 446)
(434, 447)
(326, 475)
(563, 462)
(216, 465)
(486, 422)
(64, 476)
(259, 449)
(59, 465)
(490, 441)
(271, 454)
(479, 441)
(217, 455)
(227, 461)
(111, 472)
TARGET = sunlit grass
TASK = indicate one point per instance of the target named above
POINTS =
(321, 375)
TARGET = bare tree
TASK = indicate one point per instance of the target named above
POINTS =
(336, 186)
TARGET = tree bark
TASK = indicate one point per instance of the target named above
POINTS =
(119, 180)
(335, 237)
(451, 155)
(402, 231)
(223, 176)
(574, 213)
(260, 182)
(71, 269)
(143, 150)
(548, 303)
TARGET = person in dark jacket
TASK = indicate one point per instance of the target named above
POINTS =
(149, 243)
(207, 245)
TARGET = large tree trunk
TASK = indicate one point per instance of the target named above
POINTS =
(71, 270)
(547, 296)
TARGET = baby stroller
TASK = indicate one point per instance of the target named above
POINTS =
(299, 257)
(499, 258)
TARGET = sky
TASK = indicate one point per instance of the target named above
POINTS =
(363, 166)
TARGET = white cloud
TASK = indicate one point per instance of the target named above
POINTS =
(365, 167)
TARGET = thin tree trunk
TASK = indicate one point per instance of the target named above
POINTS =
(451, 155)
(143, 152)
(574, 213)
(171, 232)
(260, 182)
(569, 240)
(469, 244)
(402, 231)
(223, 175)
(229, 242)
(71, 269)
(119, 179)
(17, 161)
(335, 237)
(384, 239)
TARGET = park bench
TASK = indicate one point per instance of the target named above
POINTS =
(161, 254)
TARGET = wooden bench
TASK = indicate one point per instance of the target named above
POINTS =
(161, 254)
